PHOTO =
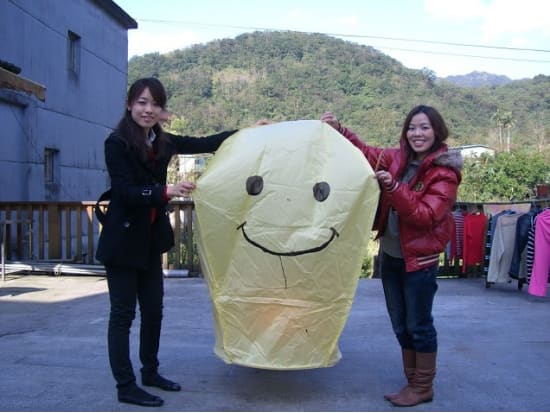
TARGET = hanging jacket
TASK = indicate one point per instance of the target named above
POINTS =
(423, 205)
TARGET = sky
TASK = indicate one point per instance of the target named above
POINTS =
(449, 37)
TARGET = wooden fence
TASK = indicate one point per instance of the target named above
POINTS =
(67, 232)
(62, 237)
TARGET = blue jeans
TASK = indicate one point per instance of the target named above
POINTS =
(409, 300)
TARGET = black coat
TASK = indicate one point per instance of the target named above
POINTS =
(137, 187)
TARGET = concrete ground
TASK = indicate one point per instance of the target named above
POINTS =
(494, 352)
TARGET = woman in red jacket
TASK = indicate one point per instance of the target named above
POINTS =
(419, 183)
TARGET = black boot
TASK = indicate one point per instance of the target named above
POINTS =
(134, 395)
(156, 380)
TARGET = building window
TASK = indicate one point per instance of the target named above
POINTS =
(50, 165)
(73, 52)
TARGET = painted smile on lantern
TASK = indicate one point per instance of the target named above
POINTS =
(321, 191)
(333, 235)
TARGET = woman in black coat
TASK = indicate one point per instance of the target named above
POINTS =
(136, 231)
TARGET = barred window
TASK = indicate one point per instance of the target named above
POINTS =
(73, 53)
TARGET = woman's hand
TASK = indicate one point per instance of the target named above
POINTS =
(386, 180)
(329, 118)
(181, 189)
(263, 122)
(165, 116)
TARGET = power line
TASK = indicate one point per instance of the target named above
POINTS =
(468, 55)
(517, 49)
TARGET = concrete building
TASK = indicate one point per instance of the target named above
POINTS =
(474, 150)
(63, 81)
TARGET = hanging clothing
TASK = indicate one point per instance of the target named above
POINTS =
(541, 264)
(524, 224)
(457, 241)
(492, 223)
(502, 247)
(530, 251)
(474, 234)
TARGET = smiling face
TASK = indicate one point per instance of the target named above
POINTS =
(320, 191)
(284, 213)
(145, 110)
(420, 135)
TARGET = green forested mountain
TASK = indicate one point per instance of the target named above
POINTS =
(291, 75)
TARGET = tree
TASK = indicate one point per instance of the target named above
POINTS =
(507, 176)
(508, 123)
(429, 75)
(540, 131)
(498, 119)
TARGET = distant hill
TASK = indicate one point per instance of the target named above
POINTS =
(478, 79)
(231, 83)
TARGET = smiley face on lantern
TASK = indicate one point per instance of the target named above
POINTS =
(283, 216)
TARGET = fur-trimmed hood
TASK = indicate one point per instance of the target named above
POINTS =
(448, 158)
(443, 156)
(451, 158)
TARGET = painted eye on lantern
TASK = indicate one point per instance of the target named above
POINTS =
(254, 185)
(321, 191)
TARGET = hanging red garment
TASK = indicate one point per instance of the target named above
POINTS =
(474, 235)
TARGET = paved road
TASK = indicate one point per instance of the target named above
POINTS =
(494, 352)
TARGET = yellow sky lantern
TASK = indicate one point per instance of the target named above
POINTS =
(283, 216)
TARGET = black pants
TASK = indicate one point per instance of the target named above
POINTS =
(126, 288)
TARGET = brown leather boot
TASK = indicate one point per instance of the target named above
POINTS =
(409, 365)
(420, 391)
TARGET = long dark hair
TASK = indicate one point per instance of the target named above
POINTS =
(130, 132)
(439, 127)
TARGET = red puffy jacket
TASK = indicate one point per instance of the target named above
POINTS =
(423, 205)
